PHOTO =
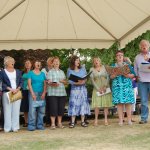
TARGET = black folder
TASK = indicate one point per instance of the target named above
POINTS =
(75, 78)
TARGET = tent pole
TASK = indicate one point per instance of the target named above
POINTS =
(135, 27)
(9, 11)
(93, 18)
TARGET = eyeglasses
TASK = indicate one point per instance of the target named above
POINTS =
(119, 55)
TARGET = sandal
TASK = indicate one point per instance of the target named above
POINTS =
(53, 127)
(83, 124)
(61, 126)
(72, 125)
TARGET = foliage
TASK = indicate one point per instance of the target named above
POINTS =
(132, 48)
(107, 55)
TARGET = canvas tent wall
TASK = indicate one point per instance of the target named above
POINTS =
(26, 24)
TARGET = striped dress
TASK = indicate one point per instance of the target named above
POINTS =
(122, 90)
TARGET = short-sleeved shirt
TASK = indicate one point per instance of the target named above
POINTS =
(56, 76)
(81, 73)
(25, 81)
(37, 81)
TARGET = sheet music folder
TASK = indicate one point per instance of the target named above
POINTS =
(75, 78)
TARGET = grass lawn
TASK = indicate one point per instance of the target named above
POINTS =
(112, 137)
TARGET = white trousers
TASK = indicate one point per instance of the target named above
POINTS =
(11, 114)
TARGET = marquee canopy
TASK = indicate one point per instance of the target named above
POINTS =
(26, 24)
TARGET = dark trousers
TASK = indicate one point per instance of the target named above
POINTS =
(1, 114)
(47, 114)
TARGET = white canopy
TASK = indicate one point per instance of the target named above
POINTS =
(26, 24)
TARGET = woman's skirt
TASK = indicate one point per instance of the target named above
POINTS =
(78, 101)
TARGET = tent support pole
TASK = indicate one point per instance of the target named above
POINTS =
(9, 11)
(93, 18)
(135, 27)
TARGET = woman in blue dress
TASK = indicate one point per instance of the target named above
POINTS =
(122, 90)
(78, 100)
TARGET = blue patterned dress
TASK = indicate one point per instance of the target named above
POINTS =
(122, 90)
(78, 100)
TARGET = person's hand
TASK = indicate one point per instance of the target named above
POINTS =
(14, 91)
(101, 90)
(80, 82)
(104, 89)
(63, 81)
(113, 76)
(43, 96)
(33, 96)
(146, 57)
(129, 75)
(54, 84)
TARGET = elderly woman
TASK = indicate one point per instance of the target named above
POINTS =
(78, 100)
(122, 90)
(56, 93)
(46, 70)
(25, 92)
(37, 88)
(100, 81)
(11, 81)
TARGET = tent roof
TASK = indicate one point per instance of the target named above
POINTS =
(35, 24)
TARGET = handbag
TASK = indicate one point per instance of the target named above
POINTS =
(14, 97)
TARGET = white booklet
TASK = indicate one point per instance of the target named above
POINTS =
(144, 67)
(107, 91)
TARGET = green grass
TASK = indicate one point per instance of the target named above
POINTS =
(111, 137)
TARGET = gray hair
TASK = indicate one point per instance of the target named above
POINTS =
(7, 59)
(144, 41)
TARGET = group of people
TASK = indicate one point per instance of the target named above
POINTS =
(44, 92)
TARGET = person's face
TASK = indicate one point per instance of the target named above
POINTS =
(50, 64)
(77, 62)
(37, 65)
(28, 65)
(11, 63)
(119, 57)
(144, 46)
(96, 62)
(56, 63)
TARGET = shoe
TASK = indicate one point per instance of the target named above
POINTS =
(120, 124)
(1, 129)
(61, 126)
(47, 125)
(72, 125)
(83, 124)
(95, 124)
(25, 125)
(86, 122)
(142, 122)
(42, 128)
(31, 129)
(7, 131)
(133, 120)
(15, 131)
(130, 123)
(53, 127)
(106, 123)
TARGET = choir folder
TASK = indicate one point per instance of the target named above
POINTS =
(75, 78)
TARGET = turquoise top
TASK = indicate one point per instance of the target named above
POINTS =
(37, 81)
(25, 81)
